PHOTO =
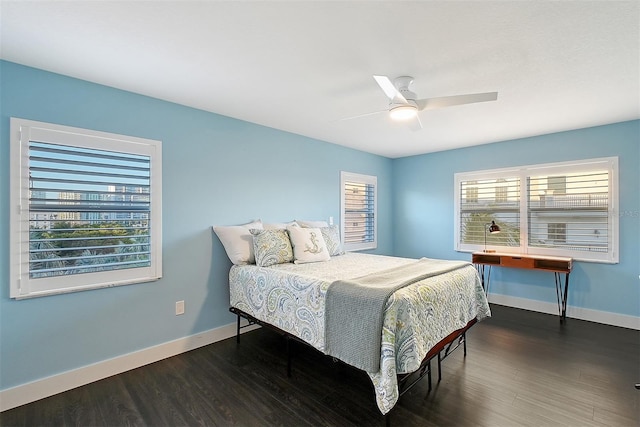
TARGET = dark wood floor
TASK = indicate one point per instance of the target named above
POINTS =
(522, 368)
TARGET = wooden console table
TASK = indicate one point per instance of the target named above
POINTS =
(557, 265)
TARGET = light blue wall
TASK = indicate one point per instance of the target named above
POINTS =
(216, 171)
(423, 212)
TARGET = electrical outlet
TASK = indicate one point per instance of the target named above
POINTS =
(179, 307)
(330, 220)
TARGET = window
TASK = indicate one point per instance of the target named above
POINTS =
(494, 197)
(471, 191)
(556, 184)
(502, 191)
(557, 232)
(87, 209)
(558, 209)
(358, 211)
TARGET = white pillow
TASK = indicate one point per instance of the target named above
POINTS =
(279, 225)
(312, 224)
(238, 241)
(308, 245)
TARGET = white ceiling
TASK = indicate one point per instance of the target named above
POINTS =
(302, 66)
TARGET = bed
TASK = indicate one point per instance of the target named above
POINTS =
(417, 320)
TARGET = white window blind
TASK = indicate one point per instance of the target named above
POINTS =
(570, 212)
(559, 209)
(88, 209)
(358, 211)
(486, 200)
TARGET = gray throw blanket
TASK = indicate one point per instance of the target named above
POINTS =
(354, 310)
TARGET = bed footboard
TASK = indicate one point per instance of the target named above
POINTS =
(441, 350)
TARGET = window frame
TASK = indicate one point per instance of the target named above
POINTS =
(364, 180)
(22, 133)
(553, 170)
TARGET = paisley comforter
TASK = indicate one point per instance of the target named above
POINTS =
(292, 298)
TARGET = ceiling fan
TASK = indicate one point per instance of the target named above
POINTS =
(403, 104)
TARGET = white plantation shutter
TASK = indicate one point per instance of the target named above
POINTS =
(570, 210)
(486, 200)
(559, 209)
(89, 209)
(358, 211)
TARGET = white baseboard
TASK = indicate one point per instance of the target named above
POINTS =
(608, 318)
(39, 389)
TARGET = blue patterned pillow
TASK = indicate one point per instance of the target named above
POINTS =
(331, 235)
(271, 247)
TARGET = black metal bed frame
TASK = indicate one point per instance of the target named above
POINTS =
(441, 350)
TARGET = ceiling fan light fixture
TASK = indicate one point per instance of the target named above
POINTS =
(403, 112)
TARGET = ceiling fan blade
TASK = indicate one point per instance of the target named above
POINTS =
(415, 124)
(390, 90)
(448, 101)
(364, 115)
